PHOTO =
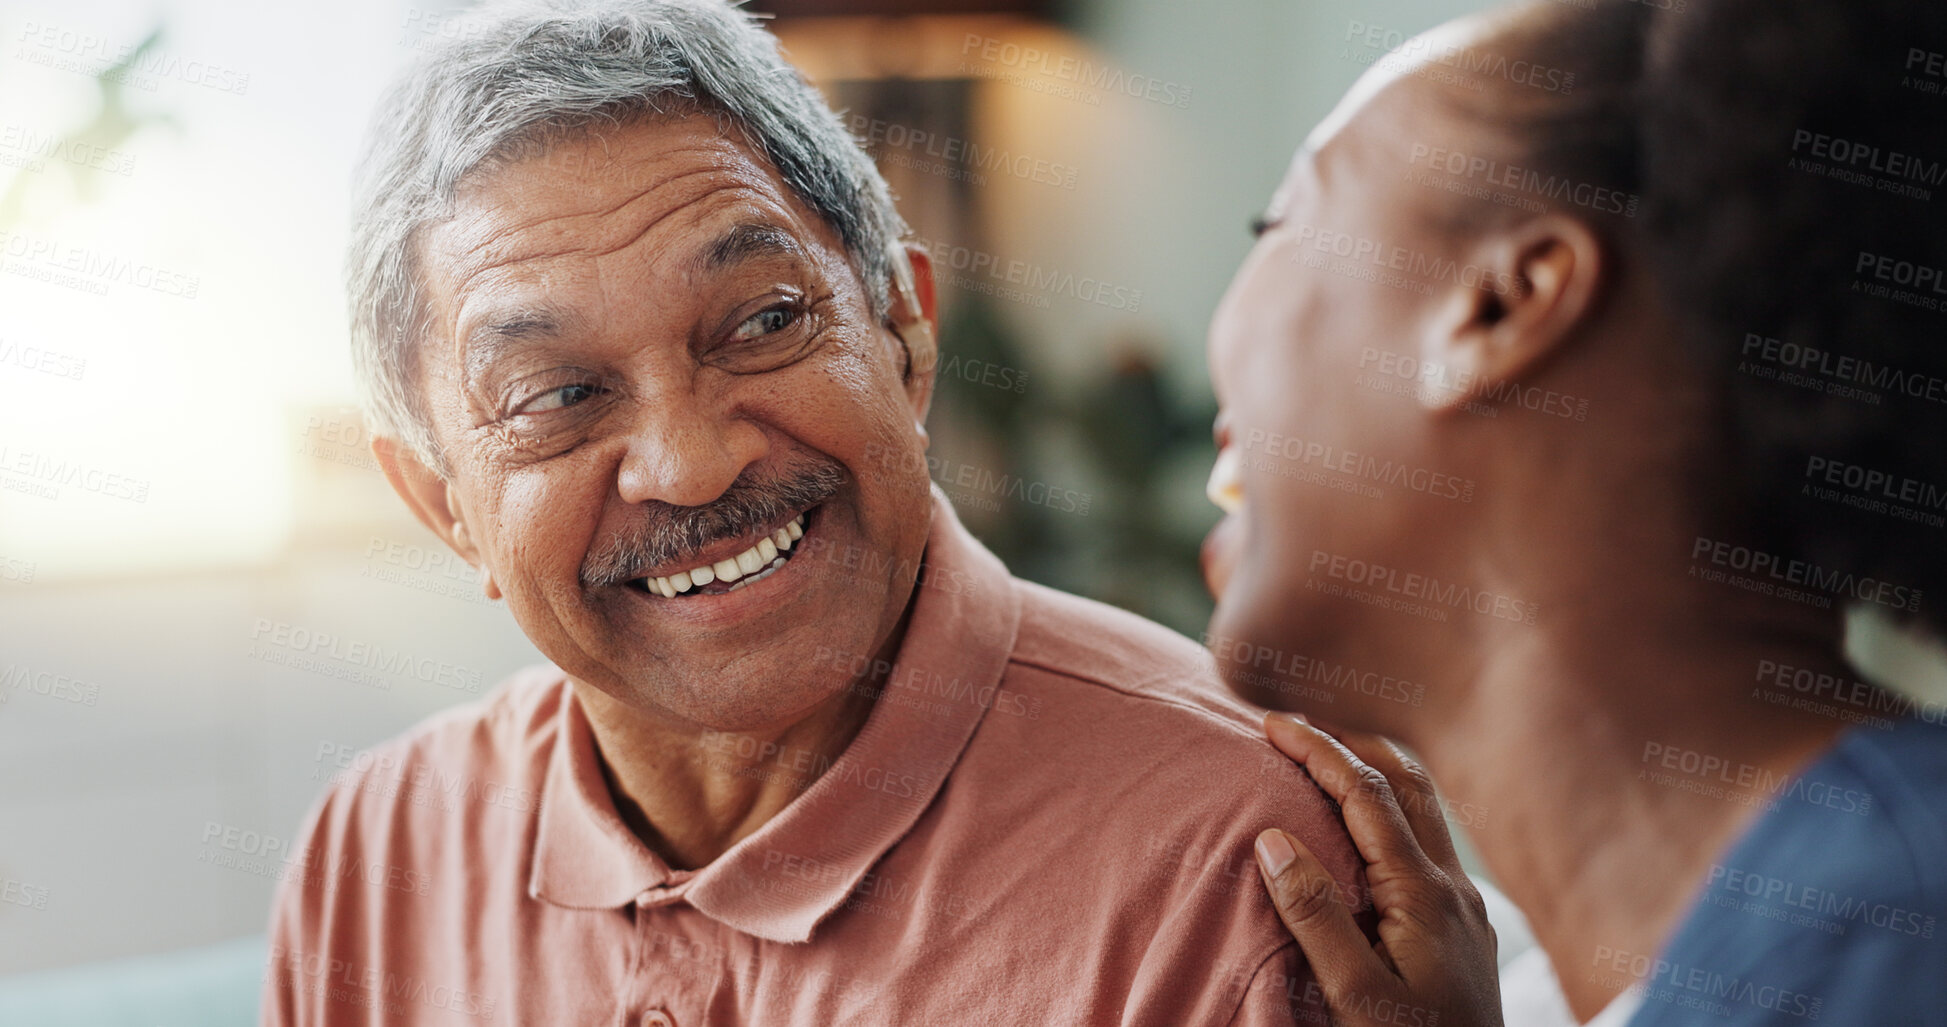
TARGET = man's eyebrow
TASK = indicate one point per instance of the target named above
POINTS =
(747, 242)
(489, 340)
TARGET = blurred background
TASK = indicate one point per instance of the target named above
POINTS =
(193, 534)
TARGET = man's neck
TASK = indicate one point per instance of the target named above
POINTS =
(1581, 823)
(691, 792)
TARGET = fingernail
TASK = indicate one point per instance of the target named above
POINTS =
(1289, 718)
(1274, 853)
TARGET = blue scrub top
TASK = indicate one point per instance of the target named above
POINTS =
(1833, 907)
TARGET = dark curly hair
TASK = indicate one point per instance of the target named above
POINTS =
(1791, 169)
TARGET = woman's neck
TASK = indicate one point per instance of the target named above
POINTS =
(1609, 771)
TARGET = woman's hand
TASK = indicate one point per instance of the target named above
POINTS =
(1434, 961)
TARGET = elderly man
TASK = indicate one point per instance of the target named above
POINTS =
(642, 345)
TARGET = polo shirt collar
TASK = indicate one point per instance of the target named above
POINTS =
(788, 875)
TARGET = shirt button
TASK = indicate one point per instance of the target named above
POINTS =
(657, 1018)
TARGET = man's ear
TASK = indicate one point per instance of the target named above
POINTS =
(432, 500)
(1539, 283)
(914, 317)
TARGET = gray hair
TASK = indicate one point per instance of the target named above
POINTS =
(503, 84)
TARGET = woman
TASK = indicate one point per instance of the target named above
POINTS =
(1587, 371)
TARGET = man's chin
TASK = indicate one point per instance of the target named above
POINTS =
(1249, 638)
(747, 699)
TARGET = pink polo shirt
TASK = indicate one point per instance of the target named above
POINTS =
(1047, 819)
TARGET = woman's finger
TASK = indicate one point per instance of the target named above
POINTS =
(1318, 912)
(1412, 788)
(1372, 814)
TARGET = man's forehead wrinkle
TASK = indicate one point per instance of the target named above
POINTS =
(495, 247)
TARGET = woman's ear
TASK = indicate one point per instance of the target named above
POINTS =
(1538, 285)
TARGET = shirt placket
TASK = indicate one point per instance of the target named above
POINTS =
(675, 967)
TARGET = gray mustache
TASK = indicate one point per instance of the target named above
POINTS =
(669, 532)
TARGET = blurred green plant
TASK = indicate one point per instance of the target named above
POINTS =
(1120, 436)
(111, 126)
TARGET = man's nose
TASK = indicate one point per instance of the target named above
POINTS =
(686, 451)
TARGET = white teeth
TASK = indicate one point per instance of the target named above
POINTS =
(760, 575)
(751, 565)
(1226, 486)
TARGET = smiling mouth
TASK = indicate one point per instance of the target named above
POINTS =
(752, 565)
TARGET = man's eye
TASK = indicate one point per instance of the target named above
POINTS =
(765, 322)
(556, 399)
